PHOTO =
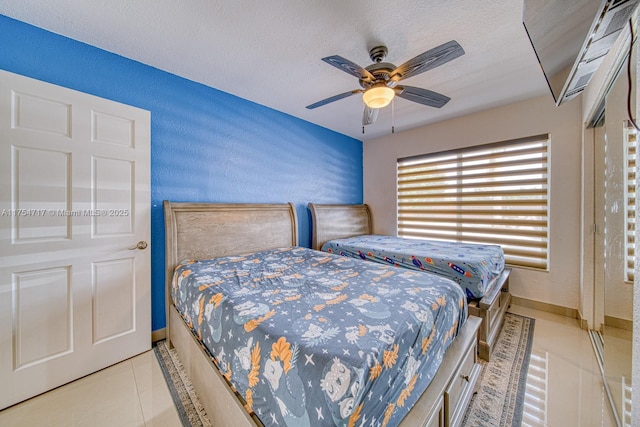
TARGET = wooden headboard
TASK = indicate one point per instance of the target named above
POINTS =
(210, 230)
(338, 221)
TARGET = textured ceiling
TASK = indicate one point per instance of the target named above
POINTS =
(270, 52)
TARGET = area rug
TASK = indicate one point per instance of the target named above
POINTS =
(499, 400)
(188, 405)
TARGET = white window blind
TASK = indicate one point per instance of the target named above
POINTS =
(631, 145)
(491, 194)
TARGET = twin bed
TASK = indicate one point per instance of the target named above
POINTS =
(478, 269)
(274, 334)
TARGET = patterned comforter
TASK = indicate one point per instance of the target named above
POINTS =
(472, 266)
(314, 339)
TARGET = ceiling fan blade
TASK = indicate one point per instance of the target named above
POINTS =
(333, 98)
(369, 115)
(422, 96)
(349, 67)
(426, 61)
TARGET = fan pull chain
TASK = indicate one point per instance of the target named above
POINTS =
(393, 115)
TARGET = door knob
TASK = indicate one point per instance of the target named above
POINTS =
(141, 245)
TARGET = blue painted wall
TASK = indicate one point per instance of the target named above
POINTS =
(206, 145)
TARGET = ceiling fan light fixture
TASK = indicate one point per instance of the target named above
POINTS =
(378, 96)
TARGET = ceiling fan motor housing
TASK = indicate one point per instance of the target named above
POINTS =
(382, 72)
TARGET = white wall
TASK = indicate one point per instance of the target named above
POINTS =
(561, 284)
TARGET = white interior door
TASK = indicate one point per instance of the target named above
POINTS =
(74, 200)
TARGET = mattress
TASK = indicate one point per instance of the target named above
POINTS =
(472, 266)
(314, 339)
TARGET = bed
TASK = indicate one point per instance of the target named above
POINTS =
(478, 269)
(254, 246)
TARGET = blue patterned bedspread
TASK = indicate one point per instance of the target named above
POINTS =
(473, 266)
(314, 339)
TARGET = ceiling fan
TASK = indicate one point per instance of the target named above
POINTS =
(379, 81)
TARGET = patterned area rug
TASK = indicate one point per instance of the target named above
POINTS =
(190, 410)
(498, 402)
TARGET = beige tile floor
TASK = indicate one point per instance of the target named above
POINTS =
(564, 388)
(564, 385)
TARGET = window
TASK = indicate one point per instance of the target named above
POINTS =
(631, 145)
(491, 194)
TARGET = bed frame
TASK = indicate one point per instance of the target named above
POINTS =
(340, 221)
(202, 230)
